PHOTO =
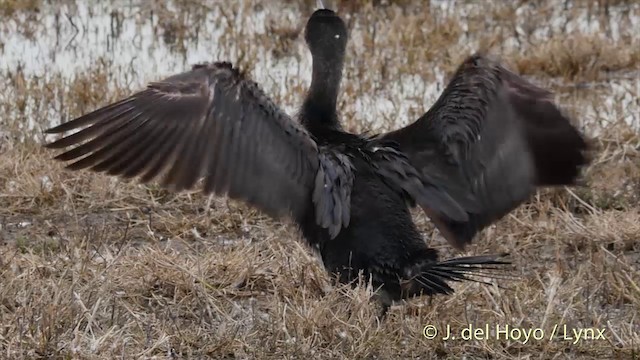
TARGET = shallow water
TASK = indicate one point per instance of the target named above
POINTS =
(140, 45)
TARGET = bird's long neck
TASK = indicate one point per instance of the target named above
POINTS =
(319, 109)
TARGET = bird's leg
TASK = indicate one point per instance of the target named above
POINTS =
(383, 300)
(208, 206)
(383, 312)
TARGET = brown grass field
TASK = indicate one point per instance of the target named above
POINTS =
(92, 267)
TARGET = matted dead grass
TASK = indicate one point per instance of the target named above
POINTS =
(96, 268)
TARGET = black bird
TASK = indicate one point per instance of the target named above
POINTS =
(483, 148)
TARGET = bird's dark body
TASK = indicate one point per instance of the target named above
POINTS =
(481, 150)
(381, 239)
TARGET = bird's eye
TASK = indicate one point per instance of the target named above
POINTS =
(337, 36)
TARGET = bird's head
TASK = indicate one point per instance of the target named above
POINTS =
(326, 33)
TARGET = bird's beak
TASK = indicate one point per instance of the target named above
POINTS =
(320, 4)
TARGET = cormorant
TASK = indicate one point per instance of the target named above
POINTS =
(481, 150)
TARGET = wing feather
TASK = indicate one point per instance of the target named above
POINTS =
(210, 122)
(400, 174)
(490, 140)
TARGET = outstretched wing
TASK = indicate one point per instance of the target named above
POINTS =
(209, 122)
(489, 140)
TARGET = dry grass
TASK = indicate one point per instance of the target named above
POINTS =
(96, 268)
(577, 57)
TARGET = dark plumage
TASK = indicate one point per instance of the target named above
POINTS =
(489, 140)
(479, 152)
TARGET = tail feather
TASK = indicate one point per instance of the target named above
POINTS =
(434, 277)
